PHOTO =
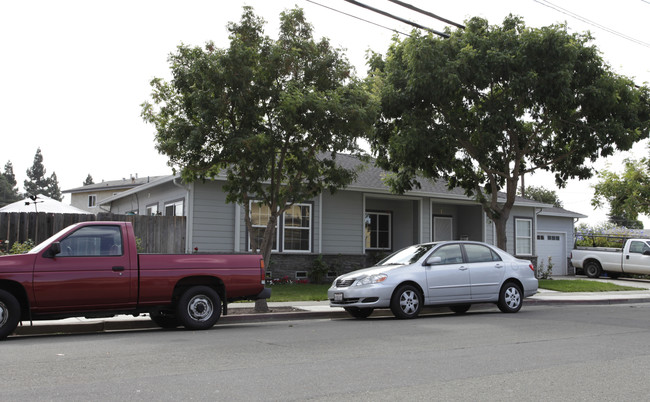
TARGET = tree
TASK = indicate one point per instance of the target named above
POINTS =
(269, 115)
(37, 183)
(493, 103)
(628, 193)
(542, 194)
(89, 180)
(8, 191)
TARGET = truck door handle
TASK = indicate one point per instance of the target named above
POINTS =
(118, 269)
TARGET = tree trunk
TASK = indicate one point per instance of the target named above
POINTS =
(500, 226)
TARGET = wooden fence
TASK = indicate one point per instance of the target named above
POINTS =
(157, 234)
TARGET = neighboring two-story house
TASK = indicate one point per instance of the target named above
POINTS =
(89, 196)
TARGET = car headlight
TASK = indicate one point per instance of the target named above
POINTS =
(367, 280)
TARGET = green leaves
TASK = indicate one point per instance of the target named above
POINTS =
(492, 103)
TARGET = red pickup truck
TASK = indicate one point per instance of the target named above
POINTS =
(92, 269)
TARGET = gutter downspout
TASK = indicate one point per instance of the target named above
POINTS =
(189, 227)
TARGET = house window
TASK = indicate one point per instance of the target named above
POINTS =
(92, 201)
(294, 231)
(378, 230)
(260, 215)
(174, 208)
(297, 228)
(524, 236)
(152, 210)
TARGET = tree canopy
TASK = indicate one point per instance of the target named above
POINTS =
(627, 193)
(268, 115)
(8, 186)
(542, 194)
(493, 103)
(37, 183)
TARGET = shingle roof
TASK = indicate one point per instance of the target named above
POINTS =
(113, 184)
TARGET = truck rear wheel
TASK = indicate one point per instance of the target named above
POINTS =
(198, 308)
(9, 314)
(592, 269)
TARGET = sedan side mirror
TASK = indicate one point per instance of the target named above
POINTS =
(55, 248)
(434, 261)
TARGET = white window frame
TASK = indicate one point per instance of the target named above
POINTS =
(92, 201)
(308, 229)
(175, 205)
(525, 238)
(390, 230)
(151, 210)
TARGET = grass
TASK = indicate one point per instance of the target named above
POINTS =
(298, 292)
(580, 285)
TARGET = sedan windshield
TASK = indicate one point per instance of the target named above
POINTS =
(407, 255)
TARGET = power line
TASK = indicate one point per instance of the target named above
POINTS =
(427, 13)
(389, 15)
(559, 9)
(359, 18)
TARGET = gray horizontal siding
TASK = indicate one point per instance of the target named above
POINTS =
(343, 223)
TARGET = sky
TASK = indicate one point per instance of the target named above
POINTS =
(74, 74)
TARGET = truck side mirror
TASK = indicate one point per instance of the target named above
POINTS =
(55, 248)
(647, 252)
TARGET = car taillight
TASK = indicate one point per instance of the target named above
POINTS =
(263, 279)
(531, 267)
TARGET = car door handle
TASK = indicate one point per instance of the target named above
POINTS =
(498, 266)
(462, 268)
(118, 269)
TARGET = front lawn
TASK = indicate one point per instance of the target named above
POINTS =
(298, 292)
(580, 285)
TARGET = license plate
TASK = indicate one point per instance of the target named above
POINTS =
(338, 297)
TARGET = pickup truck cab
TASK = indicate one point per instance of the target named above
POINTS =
(633, 258)
(92, 269)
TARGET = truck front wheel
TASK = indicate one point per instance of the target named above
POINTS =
(199, 308)
(9, 313)
(592, 269)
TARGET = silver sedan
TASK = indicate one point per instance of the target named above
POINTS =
(454, 273)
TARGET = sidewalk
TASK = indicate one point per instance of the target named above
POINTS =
(287, 311)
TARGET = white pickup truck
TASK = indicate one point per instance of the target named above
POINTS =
(633, 258)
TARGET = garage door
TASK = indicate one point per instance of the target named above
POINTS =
(552, 245)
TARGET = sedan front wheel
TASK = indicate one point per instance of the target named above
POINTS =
(406, 302)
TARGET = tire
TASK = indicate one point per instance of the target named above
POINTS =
(460, 308)
(198, 308)
(592, 269)
(406, 302)
(164, 319)
(510, 298)
(357, 312)
(9, 314)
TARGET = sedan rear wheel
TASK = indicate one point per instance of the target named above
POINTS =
(406, 302)
(510, 298)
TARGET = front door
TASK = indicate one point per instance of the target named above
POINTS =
(447, 275)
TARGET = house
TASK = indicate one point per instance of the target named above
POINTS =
(352, 227)
(87, 197)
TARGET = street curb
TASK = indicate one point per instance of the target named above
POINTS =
(143, 323)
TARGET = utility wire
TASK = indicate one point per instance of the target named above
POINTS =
(359, 18)
(592, 23)
(386, 14)
(427, 13)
